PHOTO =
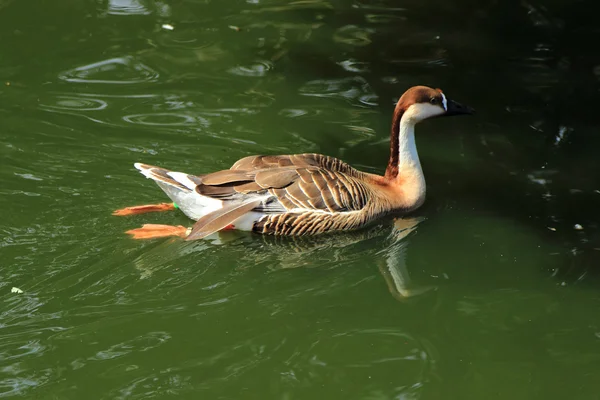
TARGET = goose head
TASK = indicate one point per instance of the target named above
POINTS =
(416, 104)
(421, 102)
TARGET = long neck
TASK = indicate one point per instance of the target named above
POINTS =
(404, 160)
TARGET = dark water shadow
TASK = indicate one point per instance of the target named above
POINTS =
(326, 251)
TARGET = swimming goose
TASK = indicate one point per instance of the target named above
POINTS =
(301, 194)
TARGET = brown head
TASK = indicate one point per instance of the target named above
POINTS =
(422, 102)
(417, 104)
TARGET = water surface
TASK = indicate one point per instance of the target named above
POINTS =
(488, 291)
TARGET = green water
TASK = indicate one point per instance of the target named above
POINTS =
(490, 291)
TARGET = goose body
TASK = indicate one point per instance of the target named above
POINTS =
(305, 194)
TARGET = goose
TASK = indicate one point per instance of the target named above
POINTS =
(300, 194)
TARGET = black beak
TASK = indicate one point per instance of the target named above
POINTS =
(455, 108)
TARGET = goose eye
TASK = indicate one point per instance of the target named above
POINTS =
(433, 100)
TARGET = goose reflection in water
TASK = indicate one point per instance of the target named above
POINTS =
(279, 253)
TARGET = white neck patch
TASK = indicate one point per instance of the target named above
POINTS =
(420, 111)
(444, 101)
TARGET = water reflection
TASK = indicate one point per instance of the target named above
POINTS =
(121, 70)
(353, 35)
(281, 253)
(165, 119)
(395, 270)
(141, 343)
(354, 66)
(258, 69)
(383, 18)
(296, 112)
(73, 103)
(22, 341)
(171, 110)
(127, 7)
(356, 90)
(405, 360)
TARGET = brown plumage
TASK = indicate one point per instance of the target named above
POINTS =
(305, 194)
(310, 198)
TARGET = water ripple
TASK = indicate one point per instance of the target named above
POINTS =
(355, 89)
(383, 18)
(257, 69)
(127, 7)
(120, 70)
(16, 386)
(354, 66)
(353, 35)
(298, 112)
(142, 343)
(166, 119)
(72, 103)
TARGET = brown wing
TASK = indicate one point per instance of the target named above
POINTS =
(293, 187)
(294, 160)
(320, 189)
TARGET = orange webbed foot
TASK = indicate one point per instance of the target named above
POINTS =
(153, 231)
(144, 209)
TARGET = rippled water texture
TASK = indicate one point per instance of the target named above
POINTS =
(490, 291)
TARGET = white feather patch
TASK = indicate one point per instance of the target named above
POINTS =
(144, 171)
(246, 222)
(183, 179)
(444, 101)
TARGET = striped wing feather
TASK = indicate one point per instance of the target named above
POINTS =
(294, 160)
(319, 189)
(308, 187)
(218, 220)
